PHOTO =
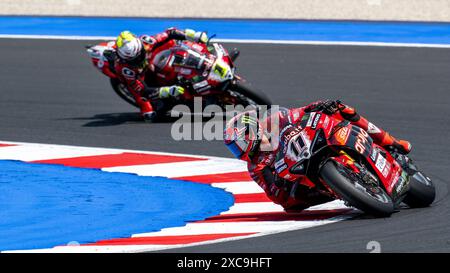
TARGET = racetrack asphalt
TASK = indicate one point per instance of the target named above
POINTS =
(51, 93)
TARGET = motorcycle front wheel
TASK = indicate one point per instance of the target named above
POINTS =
(368, 198)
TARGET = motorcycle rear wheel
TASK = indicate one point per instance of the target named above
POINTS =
(354, 191)
(421, 191)
(247, 96)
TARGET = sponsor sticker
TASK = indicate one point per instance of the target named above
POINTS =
(298, 147)
(342, 135)
(279, 163)
(220, 69)
(394, 181)
(288, 136)
(374, 154)
(330, 126)
(380, 163)
(200, 84)
(285, 129)
(402, 179)
(310, 120)
(316, 121)
(203, 89)
(386, 169)
(326, 121)
(361, 141)
(281, 168)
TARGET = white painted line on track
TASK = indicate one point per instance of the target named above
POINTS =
(243, 41)
(180, 169)
(112, 150)
(255, 207)
(45, 152)
(229, 228)
(239, 187)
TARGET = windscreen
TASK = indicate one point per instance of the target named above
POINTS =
(189, 59)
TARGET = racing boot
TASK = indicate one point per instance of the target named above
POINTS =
(149, 116)
(147, 112)
(396, 145)
(379, 136)
(385, 139)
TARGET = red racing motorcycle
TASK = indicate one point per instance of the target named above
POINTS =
(204, 70)
(341, 161)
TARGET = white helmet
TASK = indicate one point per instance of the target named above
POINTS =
(130, 47)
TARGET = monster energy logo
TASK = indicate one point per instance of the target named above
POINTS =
(248, 120)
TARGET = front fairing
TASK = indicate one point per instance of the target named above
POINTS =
(99, 60)
(222, 69)
(305, 145)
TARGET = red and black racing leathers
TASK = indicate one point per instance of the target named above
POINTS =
(134, 77)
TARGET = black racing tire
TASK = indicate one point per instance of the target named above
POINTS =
(357, 198)
(258, 97)
(421, 191)
(120, 89)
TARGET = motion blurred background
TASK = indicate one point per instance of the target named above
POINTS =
(392, 10)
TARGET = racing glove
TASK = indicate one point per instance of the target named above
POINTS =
(279, 189)
(277, 194)
(170, 91)
(196, 36)
(328, 107)
(283, 192)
